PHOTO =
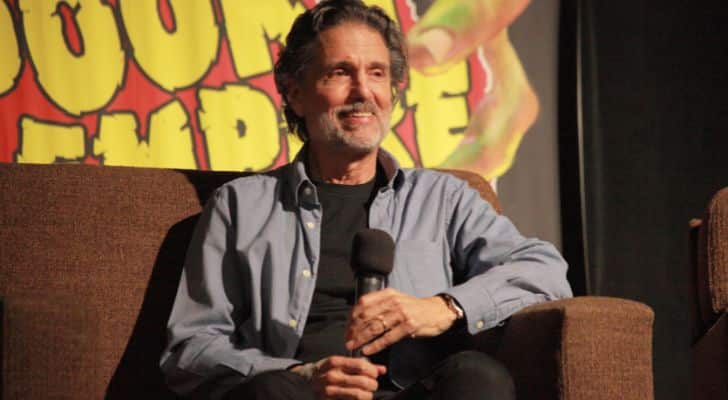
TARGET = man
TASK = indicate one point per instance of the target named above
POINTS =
(265, 305)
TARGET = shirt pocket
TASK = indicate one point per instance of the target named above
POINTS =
(421, 267)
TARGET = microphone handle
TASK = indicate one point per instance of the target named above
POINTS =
(366, 284)
(369, 283)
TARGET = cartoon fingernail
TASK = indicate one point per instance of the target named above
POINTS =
(437, 42)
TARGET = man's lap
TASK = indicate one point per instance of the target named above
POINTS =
(464, 375)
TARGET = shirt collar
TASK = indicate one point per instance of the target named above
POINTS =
(299, 180)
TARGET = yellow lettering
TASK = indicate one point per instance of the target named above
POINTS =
(178, 58)
(441, 111)
(168, 145)
(249, 25)
(241, 128)
(45, 142)
(76, 83)
(10, 66)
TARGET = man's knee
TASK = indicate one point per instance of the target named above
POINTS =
(473, 371)
(273, 385)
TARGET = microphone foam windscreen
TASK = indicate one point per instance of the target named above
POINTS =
(372, 252)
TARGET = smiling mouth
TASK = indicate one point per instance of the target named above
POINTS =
(355, 117)
(358, 114)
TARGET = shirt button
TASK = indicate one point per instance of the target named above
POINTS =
(306, 273)
(480, 324)
(292, 323)
(310, 225)
(307, 191)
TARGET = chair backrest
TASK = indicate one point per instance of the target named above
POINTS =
(90, 258)
(709, 263)
(709, 256)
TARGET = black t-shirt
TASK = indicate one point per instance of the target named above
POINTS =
(345, 210)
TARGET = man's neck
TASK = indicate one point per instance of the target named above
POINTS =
(342, 169)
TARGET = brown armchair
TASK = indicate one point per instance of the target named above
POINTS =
(580, 348)
(90, 259)
(709, 271)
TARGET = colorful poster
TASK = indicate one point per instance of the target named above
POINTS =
(189, 84)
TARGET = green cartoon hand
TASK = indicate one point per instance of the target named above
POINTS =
(449, 32)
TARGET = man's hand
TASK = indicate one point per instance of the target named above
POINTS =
(382, 318)
(339, 377)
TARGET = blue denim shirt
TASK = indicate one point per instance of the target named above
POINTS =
(252, 263)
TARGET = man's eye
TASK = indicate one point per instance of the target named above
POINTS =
(338, 72)
(379, 73)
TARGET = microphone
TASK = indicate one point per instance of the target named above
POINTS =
(372, 259)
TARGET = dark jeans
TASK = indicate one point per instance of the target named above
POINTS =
(464, 376)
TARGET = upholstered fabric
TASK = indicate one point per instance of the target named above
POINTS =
(90, 259)
(713, 258)
(600, 348)
(709, 298)
(83, 248)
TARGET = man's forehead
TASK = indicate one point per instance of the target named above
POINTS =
(351, 42)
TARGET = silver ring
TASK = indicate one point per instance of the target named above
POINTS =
(384, 323)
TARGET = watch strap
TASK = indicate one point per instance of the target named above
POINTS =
(453, 305)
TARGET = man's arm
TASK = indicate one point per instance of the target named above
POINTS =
(497, 270)
(213, 299)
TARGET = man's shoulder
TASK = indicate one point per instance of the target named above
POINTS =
(254, 185)
(441, 187)
(424, 178)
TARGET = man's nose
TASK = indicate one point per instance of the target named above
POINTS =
(361, 89)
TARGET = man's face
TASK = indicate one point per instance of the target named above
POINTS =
(345, 96)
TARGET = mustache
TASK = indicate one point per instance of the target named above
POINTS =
(365, 106)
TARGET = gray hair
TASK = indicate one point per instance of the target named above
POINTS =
(300, 47)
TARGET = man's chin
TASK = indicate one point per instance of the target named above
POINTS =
(357, 147)
(357, 142)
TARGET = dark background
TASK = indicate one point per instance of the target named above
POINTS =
(649, 81)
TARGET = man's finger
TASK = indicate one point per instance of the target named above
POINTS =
(351, 365)
(386, 340)
(338, 392)
(338, 377)
(372, 300)
(439, 40)
(362, 332)
(368, 309)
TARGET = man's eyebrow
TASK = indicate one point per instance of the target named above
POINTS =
(339, 64)
(348, 64)
(377, 64)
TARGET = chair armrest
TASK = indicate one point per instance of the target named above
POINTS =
(582, 348)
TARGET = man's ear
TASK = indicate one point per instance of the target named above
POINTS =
(294, 97)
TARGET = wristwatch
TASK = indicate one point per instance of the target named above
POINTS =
(453, 305)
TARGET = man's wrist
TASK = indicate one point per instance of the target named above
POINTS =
(452, 305)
